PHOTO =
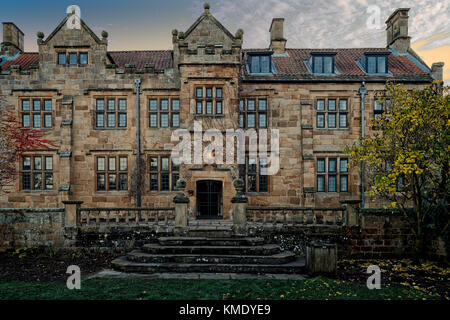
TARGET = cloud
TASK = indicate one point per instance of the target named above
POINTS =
(322, 23)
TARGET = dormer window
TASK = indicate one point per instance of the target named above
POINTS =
(376, 63)
(322, 63)
(260, 62)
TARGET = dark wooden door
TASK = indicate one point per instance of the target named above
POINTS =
(209, 199)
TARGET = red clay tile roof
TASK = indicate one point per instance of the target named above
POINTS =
(289, 67)
(161, 59)
(292, 66)
(25, 60)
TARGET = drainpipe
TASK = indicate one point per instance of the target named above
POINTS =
(362, 91)
(137, 82)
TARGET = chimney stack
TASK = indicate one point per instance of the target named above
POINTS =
(437, 71)
(12, 39)
(397, 31)
(277, 40)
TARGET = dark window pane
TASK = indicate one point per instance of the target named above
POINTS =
(154, 182)
(318, 65)
(164, 104)
(199, 108)
(25, 120)
(101, 182)
(219, 93)
(343, 105)
(263, 184)
(320, 183)
(265, 64)
(122, 104)
(73, 58)
(343, 165)
(209, 92)
(26, 105)
(320, 165)
(100, 120)
(327, 65)
(320, 120)
(175, 120)
(37, 163)
(254, 64)
(251, 166)
(111, 104)
(343, 120)
(241, 105)
(123, 181)
(251, 120)
(332, 105)
(371, 65)
(378, 106)
(153, 120)
(101, 164)
(100, 104)
(165, 182)
(175, 104)
(122, 120)
(153, 105)
(331, 183)
(381, 61)
(153, 164)
(37, 181)
(26, 163)
(175, 177)
(332, 163)
(199, 92)
(343, 183)
(123, 164)
(241, 121)
(49, 181)
(321, 105)
(112, 163)
(36, 120)
(61, 58)
(218, 107)
(112, 182)
(262, 104)
(164, 121)
(262, 120)
(332, 120)
(165, 164)
(208, 107)
(36, 105)
(47, 120)
(26, 181)
(48, 163)
(48, 105)
(251, 105)
(111, 120)
(251, 183)
(83, 58)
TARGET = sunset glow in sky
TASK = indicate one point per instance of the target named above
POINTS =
(147, 24)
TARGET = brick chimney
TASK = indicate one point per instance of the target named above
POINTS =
(12, 39)
(277, 40)
(397, 30)
(437, 71)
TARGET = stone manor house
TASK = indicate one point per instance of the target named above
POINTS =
(86, 99)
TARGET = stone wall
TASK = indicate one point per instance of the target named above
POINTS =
(31, 228)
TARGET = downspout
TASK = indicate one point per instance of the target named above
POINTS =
(137, 82)
(362, 91)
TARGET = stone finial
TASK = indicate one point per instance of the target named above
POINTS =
(180, 185)
(40, 35)
(180, 196)
(174, 32)
(239, 34)
(206, 6)
(240, 196)
(181, 35)
(104, 34)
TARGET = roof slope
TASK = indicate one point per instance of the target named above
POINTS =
(161, 59)
(25, 60)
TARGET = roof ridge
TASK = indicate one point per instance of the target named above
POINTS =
(123, 51)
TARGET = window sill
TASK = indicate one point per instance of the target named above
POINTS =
(39, 191)
(343, 129)
(110, 129)
(257, 193)
(209, 115)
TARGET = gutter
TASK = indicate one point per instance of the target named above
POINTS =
(362, 91)
(137, 82)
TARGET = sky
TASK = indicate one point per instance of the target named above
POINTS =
(147, 24)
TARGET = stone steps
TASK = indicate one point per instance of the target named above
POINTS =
(266, 249)
(143, 257)
(125, 265)
(196, 241)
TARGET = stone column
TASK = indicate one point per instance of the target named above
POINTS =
(351, 212)
(72, 218)
(181, 206)
(239, 202)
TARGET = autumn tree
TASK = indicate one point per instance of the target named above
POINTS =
(407, 159)
(14, 142)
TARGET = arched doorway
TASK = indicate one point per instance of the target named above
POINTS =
(209, 199)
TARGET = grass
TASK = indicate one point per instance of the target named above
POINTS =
(319, 288)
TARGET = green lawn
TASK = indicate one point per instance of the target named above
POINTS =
(174, 289)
